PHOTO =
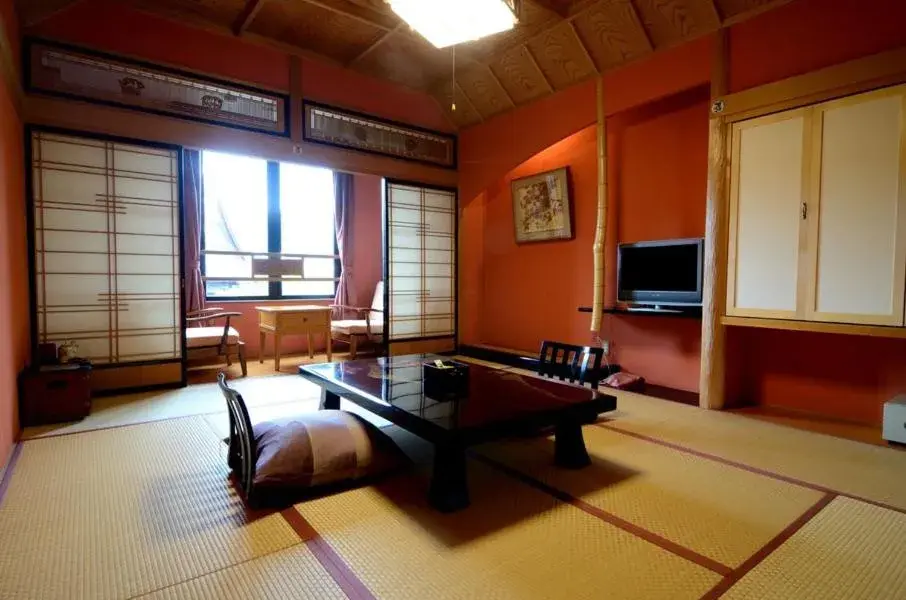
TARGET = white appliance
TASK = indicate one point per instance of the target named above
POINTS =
(895, 420)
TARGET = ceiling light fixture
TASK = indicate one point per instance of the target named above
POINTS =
(448, 22)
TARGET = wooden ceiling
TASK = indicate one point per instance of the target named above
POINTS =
(557, 43)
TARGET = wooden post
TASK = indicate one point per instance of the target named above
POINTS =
(295, 97)
(601, 228)
(712, 376)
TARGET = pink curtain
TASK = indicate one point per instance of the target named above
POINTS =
(192, 216)
(342, 185)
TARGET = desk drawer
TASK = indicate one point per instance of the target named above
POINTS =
(304, 321)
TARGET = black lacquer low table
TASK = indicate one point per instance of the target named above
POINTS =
(499, 404)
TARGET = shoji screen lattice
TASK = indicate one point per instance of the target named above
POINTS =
(107, 248)
(421, 262)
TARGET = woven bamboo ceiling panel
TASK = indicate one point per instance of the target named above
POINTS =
(557, 43)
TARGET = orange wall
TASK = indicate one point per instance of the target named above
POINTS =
(845, 377)
(531, 291)
(657, 149)
(14, 336)
(129, 32)
(516, 296)
(657, 173)
(365, 265)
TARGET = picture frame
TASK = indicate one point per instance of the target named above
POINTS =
(541, 207)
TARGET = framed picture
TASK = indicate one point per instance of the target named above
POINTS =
(541, 209)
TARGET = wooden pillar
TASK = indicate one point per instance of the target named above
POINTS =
(295, 97)
(601, 227)
(712, 377)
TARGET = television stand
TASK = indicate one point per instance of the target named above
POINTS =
(653, 308)
(680, 312)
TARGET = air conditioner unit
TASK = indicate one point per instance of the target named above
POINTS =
(895, 420)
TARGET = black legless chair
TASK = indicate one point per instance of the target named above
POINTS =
(241, 455)
(576, 364)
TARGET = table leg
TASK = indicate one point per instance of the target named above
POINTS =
(276, 352)
(329, 401)
(449, 489)
(311, 349)
(569, 446)
(329, 348)
(262, 338)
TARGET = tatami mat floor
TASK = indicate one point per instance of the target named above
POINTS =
(134, 501)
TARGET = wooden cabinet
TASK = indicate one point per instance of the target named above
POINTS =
(818, 212)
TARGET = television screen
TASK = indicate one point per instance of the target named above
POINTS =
(662, 272)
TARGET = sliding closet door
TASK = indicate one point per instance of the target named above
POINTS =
(420, 254)
(107, 254)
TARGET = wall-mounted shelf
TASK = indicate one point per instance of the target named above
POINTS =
(686, 313)
(839, 328)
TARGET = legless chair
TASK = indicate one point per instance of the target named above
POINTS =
(203, 341)
(369, 328)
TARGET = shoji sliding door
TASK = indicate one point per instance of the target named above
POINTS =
(107, 255)
(420, 267)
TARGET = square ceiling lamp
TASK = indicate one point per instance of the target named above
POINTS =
(448, 22)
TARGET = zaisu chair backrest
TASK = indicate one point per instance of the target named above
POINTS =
(576, 364)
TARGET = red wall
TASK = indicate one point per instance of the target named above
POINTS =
(516, 296)
(129, 32)
(657, 152)
(845, 377)
(14, 335)
(364, 264)
(657, 173)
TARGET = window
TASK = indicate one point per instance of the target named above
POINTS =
(252, 208)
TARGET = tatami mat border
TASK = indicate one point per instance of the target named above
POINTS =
(739, 465)
(724, 585)
(332, 562)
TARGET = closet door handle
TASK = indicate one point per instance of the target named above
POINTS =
(804, 211)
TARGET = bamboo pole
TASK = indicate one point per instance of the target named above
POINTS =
(601, 227)
(712, 392)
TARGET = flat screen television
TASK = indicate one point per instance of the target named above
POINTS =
(660, 273)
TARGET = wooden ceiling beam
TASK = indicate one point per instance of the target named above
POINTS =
(43, 11)
(715, 10)
(499, 83)
(584, 48)
(553, 6)
(248, 14)
(458, 88)
(346, 13)
(748, 14)
(634, 12)
(374, 45)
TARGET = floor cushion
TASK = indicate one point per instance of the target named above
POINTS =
(319, 449)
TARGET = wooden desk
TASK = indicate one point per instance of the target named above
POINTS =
(292, 320)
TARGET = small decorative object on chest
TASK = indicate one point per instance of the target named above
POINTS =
(445, 380)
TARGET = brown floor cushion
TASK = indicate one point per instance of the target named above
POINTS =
(319, 449)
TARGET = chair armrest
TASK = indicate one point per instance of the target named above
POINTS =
(193, 313)
(214, 316)
(347, 307)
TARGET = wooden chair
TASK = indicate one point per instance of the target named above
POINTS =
(576, 364)
(369, 328)
(206, 341)
(241, 455)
